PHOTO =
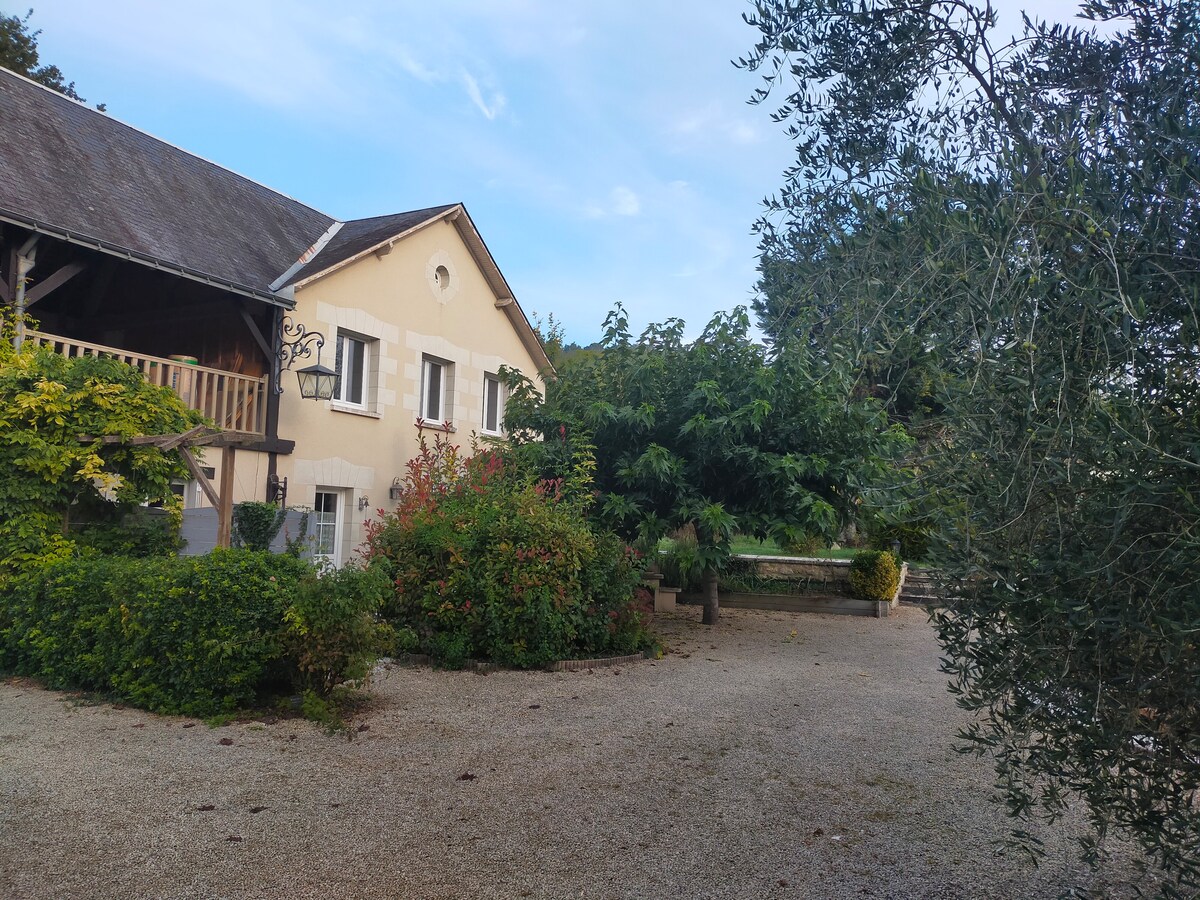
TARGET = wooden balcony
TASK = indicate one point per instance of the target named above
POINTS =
(232, 402)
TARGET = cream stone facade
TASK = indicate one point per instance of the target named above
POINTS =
(431, 294)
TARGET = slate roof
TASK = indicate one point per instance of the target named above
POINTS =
(68, 169)
(359, 235)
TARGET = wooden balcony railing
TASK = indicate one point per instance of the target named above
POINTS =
(232, 402)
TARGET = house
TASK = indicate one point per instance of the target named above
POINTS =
(117, 242)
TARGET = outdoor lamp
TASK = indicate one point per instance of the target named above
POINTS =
(316, 382)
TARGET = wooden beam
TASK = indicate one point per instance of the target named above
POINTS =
(225, 507)
(256, 333)
(198, 474)
(53, 282)
(193, 438)
(178, 440)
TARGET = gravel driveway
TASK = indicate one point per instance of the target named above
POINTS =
(775, 756)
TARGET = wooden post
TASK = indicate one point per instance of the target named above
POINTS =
(225, 509)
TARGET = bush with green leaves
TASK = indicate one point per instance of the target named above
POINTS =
(142, 531)
(874, 575)
(255, 524)
(332, 632)
(49, 475)
(196, 635)
(913, 535)
(490, 563)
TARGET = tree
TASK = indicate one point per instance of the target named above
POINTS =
(712, 433)
(1023, 222)
(19, 52)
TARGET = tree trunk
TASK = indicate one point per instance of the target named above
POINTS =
(711, 608)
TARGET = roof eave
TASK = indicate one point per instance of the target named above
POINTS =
(458, 216)
(505, 299)
(81, 240)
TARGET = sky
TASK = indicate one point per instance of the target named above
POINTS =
(605, 149)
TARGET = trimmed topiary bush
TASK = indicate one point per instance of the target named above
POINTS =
(874, 575)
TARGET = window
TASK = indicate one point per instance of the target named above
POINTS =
(352, 364)
(435, 389)
(493, 404)
(327, 515)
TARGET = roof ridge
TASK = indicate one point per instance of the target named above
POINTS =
(404, 212)
(154, 137)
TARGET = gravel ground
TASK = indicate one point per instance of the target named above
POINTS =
(775, 756)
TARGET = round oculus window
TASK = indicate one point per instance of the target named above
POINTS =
(441, 276)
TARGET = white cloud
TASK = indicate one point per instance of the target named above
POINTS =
(625, 202)
(622, 201)
(489, 110)
(712, 123)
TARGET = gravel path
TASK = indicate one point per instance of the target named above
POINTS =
(747, 763)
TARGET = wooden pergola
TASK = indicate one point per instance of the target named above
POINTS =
(201, 436)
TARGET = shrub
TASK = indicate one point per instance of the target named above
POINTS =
(331, 630)
(913, 537)
(198, 635)
(140, 532)
(489, 563)
(874, 575)
(680, 561)
(255, 524)
(804, 543)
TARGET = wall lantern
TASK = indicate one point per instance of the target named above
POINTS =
(396, 491)
(317, 382)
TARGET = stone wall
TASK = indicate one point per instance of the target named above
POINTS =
(832, 575)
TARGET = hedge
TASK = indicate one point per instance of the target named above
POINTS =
(197, 635)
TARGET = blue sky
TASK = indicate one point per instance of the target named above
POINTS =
(604, 149)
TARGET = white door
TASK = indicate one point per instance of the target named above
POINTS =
(329, 515)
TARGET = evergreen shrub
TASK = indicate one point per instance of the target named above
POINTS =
(197, 635)
(874, 575)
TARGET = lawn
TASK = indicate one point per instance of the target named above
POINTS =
(752, 547)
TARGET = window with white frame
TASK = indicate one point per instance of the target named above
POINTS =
(435, 390)
(327, 523)
(493, 404)
(353, 366)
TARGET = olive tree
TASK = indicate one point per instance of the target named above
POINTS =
(1020, 222)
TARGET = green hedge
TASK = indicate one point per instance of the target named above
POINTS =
(197, 635)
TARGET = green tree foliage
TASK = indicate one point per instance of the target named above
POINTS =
(1020, 226)
(51, 477)
(710, 433)
(19, 52)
